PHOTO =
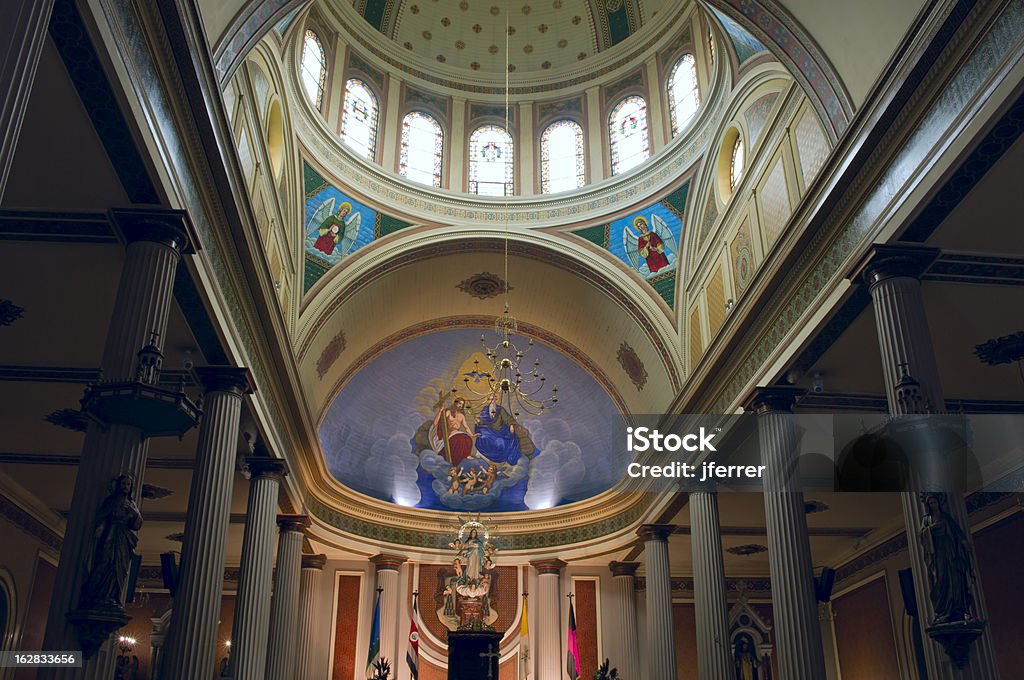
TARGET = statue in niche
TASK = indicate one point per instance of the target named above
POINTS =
(949, 561)
(467, 586)
(745, 659)
(117, 524)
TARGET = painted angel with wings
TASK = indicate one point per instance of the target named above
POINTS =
(335, 233)
(649, 251)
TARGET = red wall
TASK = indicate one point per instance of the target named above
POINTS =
(864, 634)
(1000, 552)
(346, 627)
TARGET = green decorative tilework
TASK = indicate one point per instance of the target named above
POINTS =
(386, 224)
(597, 235)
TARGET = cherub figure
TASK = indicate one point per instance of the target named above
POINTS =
(455, 480)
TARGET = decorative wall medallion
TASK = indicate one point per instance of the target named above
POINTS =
(152, 492)
(741, 250)
(1004, 350)
(748, 549)
(484, 285)
(813, 507)
(632, 365)
(9, 312)
(330, 354)
(69, 418)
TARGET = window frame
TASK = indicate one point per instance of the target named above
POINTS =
(439, 140)
(322, 84)
(510, 167)
(371, 154)
(610, 132)
(581, 155)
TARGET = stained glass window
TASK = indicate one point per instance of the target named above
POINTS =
(422, 147)
(683, 96)
(491, 172)
(628, 134)
(359, 119)
(561, 157)
(736, 163)
(313, 68)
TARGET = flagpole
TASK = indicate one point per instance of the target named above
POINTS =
(572, 652)
(412, 656)
(524, 641)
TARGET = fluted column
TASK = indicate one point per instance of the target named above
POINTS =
(284, 608)
(251, 628)
(904, 340)
(661, 645)
(711, 607)
(387, 579)
(156, 241)
(794, 605)
(549, 659)
(624, 578)
(312, 565)
(23, 25)
(191, 646)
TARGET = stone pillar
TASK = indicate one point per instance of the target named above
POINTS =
(191, 645)
(659, 134)
(524, 147)
(550, 661)
(23, 25)
(892, 274)
(284, 608)
(624, 578)
(387, 578)
(794, 605)
(391, 138)
(596, 133)
(251, 628)
(714, 655)
(156, 241)
(312, 565)
(458, 172)
(661, 646)
(828, 640)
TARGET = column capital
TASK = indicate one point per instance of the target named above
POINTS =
(883, 262)
(775, 398)
(314, 561)
(172, 228)
(388, 562)
(549, 566)
(296, 523)
(656, 532)
(226, 379)
(265, 466)
(623, 568)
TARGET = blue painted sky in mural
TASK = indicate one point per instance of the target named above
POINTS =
(375, 436)
(624, 232)
(341, 236)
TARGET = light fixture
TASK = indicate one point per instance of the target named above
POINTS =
(517, 387)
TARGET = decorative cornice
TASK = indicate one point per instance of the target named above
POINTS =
(883, 262)
(63, 227)
(172, 228)
(226, 379)
(314, 561)
(623, 568)
(655, 532)
(293, 523)
(17, 516)
(385, 562)
(775, 399)
(551, 566)
(264, 466)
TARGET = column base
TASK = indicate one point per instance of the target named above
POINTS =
(473, 655)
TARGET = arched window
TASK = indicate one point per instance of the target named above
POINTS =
(490, 161)
(313, 68)
(561, 157)
(736, 162)
(359, 119)
(628, 133)
(683, 97)
(422, 146)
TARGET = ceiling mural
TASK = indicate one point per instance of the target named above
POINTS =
(411, 428)
(648, 241)
(336, 225)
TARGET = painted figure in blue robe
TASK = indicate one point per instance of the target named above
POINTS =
(496, 433)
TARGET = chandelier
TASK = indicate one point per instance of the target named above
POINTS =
(512, 384)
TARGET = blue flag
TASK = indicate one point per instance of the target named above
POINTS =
(374, 655)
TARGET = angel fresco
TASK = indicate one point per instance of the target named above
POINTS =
(335, 233)
(651, 248)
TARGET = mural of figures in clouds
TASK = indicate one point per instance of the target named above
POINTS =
(397, 431)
